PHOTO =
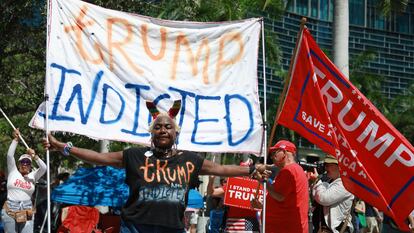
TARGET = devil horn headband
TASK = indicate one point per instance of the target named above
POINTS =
(152, 109)
(174, 109)
(171, 113)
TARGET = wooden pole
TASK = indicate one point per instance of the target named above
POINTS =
(287, 82)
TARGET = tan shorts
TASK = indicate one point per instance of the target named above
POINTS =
(372, 225)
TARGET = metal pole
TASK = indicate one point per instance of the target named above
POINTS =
(46, 99)
(265, 122)
(48, 163)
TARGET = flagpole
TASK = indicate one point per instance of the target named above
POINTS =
(287, 82)
(46, 99)
(265, 122)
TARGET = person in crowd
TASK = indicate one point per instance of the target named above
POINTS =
(359, 215)
(59, 179)
(17, 214)
(217, 216)
(287, 201)
(3, 196)
(317, 209)
(373, 218)
(236, 218)
(191, 216)
(158, 177)
(333, 196)
(192, 211)
(389, 226)
(41, 199)
(3, 189)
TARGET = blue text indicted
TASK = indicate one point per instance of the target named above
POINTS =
(77, 102)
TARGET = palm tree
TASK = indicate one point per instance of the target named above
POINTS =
(340, 31)
(389, 6)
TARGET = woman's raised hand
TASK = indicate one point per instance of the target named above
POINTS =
(16, 134)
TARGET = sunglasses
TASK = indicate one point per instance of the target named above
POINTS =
(25, 162)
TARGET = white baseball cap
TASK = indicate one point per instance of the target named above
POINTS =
(25, 156)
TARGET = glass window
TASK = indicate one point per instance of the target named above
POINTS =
(374, 17)
(403, 23)
(291, 6)
(412, 23)
(331, 10)
(314, 8)
(302, 7)
(410, 9)
(324, 9)
(357, 12)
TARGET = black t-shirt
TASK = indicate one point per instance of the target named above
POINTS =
(158, 188)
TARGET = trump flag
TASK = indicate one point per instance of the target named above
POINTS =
(375, 160)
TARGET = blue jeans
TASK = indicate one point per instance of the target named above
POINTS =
(10, 225)
(133, 228)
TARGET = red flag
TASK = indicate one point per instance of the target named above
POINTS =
(375, 160)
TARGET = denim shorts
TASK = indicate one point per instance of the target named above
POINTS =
(10, 225)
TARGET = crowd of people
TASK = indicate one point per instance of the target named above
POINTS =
(160, 176)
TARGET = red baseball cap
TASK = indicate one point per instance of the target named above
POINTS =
(283, 145)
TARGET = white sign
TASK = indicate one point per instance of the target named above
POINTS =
(103, 65)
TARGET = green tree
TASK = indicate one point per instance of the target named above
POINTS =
(369, 84)
(402, 112)
(22, 66)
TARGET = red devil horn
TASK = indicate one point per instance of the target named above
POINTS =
(152, 109)
(174, 109)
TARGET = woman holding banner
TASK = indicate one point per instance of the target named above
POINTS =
(17, 212)
(158, 177)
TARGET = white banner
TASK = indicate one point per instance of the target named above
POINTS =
(103, 65)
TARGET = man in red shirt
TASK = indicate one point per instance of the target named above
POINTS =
(287, 202)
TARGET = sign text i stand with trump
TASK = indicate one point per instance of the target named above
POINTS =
(376, 161)
(240, 191)
(102, 65)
